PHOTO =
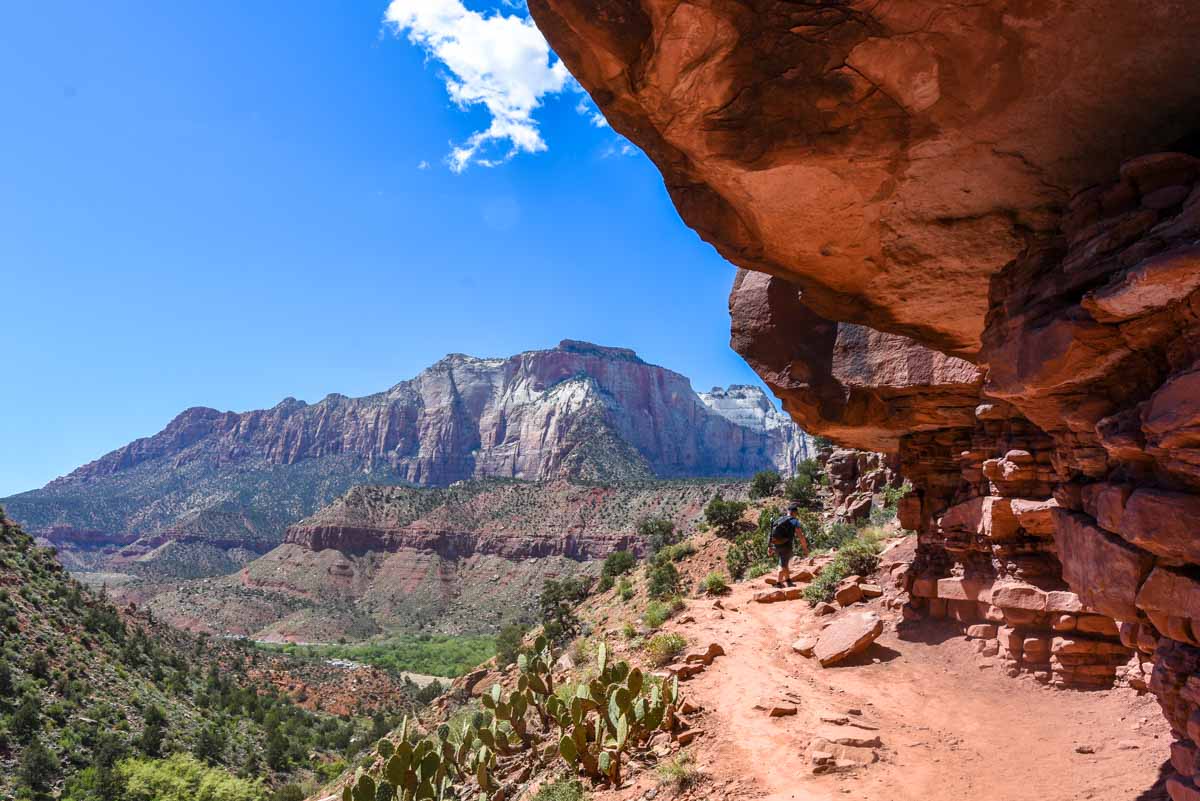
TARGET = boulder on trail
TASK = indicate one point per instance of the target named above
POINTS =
(848, 592)
(824, 608)
(847, 636)
(805, 645)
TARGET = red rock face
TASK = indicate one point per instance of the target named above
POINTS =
(888, 158)
(994, 183)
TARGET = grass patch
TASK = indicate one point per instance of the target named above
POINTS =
(679, 773)
(662, 649)
(659, 612)
(561, 789)
(759, 569)
(430, 654)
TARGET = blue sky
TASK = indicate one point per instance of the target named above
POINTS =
(227, 203)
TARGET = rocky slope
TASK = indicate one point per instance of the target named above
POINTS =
(464, 559)
(80, 678)
(972, 231)
(214, 489)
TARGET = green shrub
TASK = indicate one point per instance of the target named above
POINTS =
(764, 484)
(859, 557)
(662, 580)
(618, 563)
(657, 613)
(561, 789)
(181, 777)
(289, 792)
(714, 584)
(759, 569)
(508, 644)
(832, 536)
(628, 631)
(750, 548)
(674, 553)
(657, 533)
(661, 649)
(725, 516)
(625, 589)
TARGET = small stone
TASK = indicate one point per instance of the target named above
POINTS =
(1084, 749)
(782, 711)
(823, 608)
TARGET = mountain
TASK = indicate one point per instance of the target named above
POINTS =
(462, 559)
(214, 489)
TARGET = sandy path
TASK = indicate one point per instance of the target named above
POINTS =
(950, 730)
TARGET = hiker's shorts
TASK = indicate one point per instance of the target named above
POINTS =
(784, 553)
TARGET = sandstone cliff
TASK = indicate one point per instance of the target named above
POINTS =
(220, 480)
(972, 231)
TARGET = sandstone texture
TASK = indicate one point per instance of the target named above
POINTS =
(968, 239)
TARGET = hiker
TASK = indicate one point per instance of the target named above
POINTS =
(782, 541)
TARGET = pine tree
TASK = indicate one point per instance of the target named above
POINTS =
(27, 720)
(38, 769)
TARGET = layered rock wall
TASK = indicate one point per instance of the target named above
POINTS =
(973, 231)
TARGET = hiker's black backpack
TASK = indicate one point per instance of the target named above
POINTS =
(782, 532)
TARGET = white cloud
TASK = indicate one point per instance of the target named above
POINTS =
(422, 165)
(498, 61)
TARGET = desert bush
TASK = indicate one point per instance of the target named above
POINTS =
(714, 584)
(764, 484)
(658, 612)
(662, 580)
(661, 649)
(832, 536)
(858, 557)
(618, 563)
(750, 548)
(564, 788)
(679, 773)
(657, 533)
(508, 644)
(725, 516)
(625, 589)
(674, 553)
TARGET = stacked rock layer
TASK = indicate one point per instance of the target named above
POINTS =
(970, 237)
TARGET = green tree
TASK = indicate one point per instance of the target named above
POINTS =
(38, 769)
(508, 644)
(210, 745)
(764, 484)
(557, 604)
(277, 751)
(27, 719)
(154, 733)
(725, 516)
(801, 489)
(6, 680)
(656, 532)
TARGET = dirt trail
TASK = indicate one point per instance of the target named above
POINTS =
(949, 729)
